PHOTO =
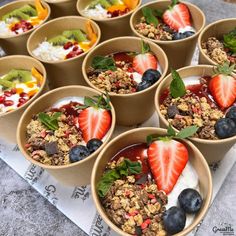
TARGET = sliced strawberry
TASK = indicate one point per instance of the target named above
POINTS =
(223, 86)
(145, 60)
(177, 17)
(167, 159)
(94, 123)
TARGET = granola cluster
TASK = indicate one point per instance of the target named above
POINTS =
(190, 110)
(52, 147)
(161, 32)
(136, 209)
(120, 81)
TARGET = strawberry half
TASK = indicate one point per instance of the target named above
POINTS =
(95, 120)
(167, 159)
(177, 16)
(223, 86)
(144, 61)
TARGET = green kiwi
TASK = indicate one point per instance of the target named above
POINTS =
(59, 40)
(22, 76)
(17, 14)
(6, 83)
(28, 10)
(114, 2)
(103, 3)
(76, 35)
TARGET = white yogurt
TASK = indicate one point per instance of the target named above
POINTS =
(98, 12)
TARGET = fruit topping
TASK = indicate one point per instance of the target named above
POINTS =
(95, 119)
(78, 153)
(190, 200)
(231, 113)
(225, 128)
(144, 61)
(223, 86)
(93, 144)
(174, 220)
(177, 16)
(143, 85)
(151, 76)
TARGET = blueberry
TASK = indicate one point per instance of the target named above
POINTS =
(190, 200)
(78, 153)
(189, 33)
(225, 128)
(174, 220)
(232, 113)
(143, 85)
(177, 36)
(167, 29)
(151, 76)
(172, 110)
(93, 144)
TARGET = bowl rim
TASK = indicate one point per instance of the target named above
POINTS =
(199, 43)
(44, 84)
(45, 4)
(110, 41)
(161, 117)
(58, 1)
(80, 11)
(58, 19)
(165, 42)
(87, 159)
(151, 129)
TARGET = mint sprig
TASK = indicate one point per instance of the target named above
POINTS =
(230, 40)
(171, 134)
(177, 87)
(51, 122)
(149, 16)
(125, 168)
(103, 63)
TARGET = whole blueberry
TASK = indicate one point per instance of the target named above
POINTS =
(225, 128)
(177, 36)
(143, 85)
(93, 144)
(190, 200)
(167, 29)
(78, 153)
(174, 220)
(188, 33)
(232, 113)
(151, 76)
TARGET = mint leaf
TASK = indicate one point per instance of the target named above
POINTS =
(125, 168)
(145, 47)
(50, 122)
(187, 132)
(158, 13)
(230, 40)
(103, 63)
(149, 16)
(177, 87)
(171, 131)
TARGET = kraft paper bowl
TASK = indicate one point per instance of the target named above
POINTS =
(75, 174)
(212, 150)
(62, 7)
(135, 108)
(14, 45)
(179, 52)
(216, 29)
(63, 72)
(9, 121)
(139, 136)
(110, 27)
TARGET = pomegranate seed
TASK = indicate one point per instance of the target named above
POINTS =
(23, 95)
(22, 100)
(75, 43)
(2, 99)
(8, 103)
(75, 48)
(19, 104)
(80, 51)
(67, 45)
(13, 91)
(7, 93)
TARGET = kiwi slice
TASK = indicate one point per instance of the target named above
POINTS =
(6, 84)
(22, 76)
(76, 35)
(103, 3)
(114, 2)
(28, 10)
(59, 40)
(17, 14)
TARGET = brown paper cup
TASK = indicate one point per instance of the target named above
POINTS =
(65, 72)
(139, 136)
(131, 109)
(216, 29)
(179, 52)
(15, 45)
(112, 27)
(212, 150)
(62, 7)
(9, 121)
(75, 174)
